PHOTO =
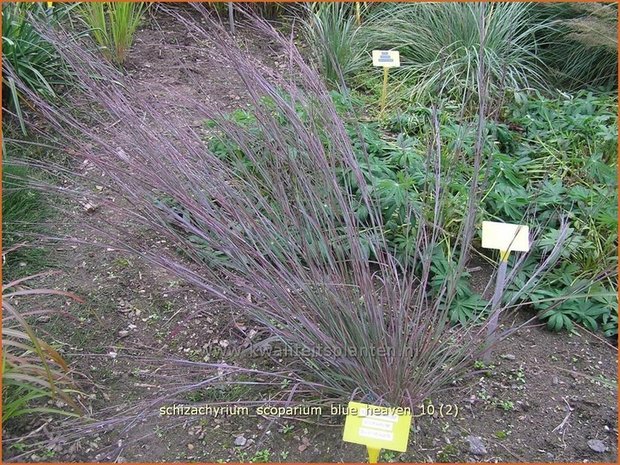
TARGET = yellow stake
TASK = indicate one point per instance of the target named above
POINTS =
(50, 4)
(373, 454)
(503, 255)
(386, 70)
(358, 14)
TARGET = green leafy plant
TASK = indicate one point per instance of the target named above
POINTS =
(261, 456)
(573, 138)
(113, 25)
(29, 58)
(506, 405)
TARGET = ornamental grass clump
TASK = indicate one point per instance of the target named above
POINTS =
(331, 31)
(271, 228)
(33, 372)
(440, 46)
(113, 26)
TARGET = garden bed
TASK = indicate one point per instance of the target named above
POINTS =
(544, 396)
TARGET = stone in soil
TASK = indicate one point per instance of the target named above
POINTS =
(476, 445)
(597, 445)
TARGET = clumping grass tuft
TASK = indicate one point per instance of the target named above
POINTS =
(582, 44)
(32, 59)
(439, 45)
(113, 25)
(32, 370)
(332, 33)
(272, 228)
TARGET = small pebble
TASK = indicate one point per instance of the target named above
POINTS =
(476, 446)
(597, 445)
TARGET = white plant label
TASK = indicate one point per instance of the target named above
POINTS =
(386, 58)
(505, 236)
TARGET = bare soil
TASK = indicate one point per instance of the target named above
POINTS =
(542, 399)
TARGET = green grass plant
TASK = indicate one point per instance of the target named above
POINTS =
(113, 26)
(439, 43)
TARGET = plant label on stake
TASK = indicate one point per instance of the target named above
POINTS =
(377, 428)
(387, 59)
(506, 238)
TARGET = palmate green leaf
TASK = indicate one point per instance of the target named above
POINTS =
(521, 291)
(600, 171)
(539, 294)
(443, 269)
(608, 216)
(563, 276)
(610, 322)
(549, 239)
(209, 255)
(580, 193)
(379, 170)
(551, 193)
(558, 317)
(513, 171)
(557, 321)
(392, 195)
(588, 312)
(508, 201)
(361, 212)
(504, 136)
(465, 308)
(412, 164)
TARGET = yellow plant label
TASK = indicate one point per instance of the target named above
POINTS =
(377, 427)
(386, 58)
(505, 236)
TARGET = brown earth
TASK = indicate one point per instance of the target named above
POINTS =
(542, 399)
